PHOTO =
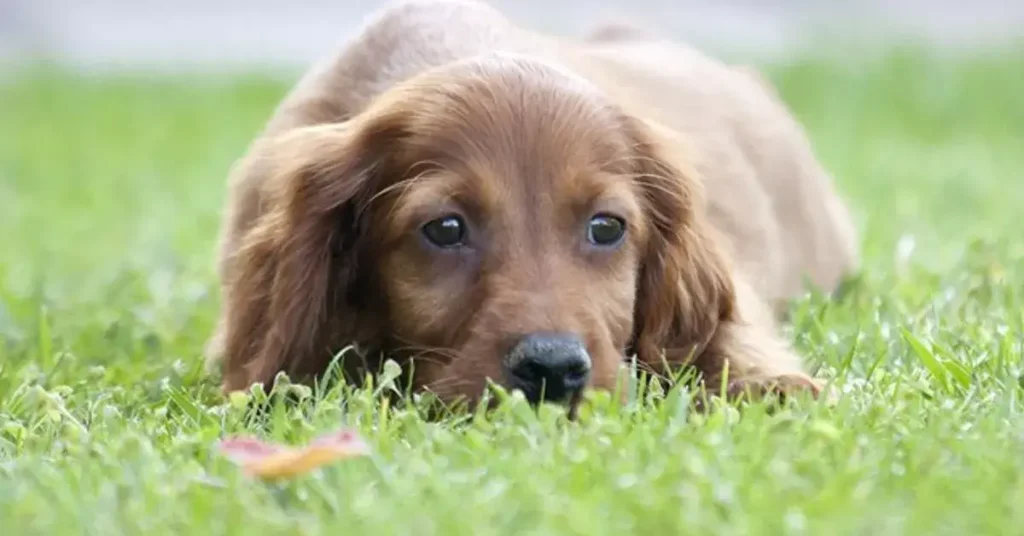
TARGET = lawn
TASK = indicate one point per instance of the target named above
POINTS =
(110, 193)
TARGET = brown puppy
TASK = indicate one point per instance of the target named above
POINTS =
(487, 203)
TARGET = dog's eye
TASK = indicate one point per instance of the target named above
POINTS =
(445, 232)
(605, 230)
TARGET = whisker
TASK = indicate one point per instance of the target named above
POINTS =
(403, 185)
(431, 165)
(446, 382)
(445, 388)
(425, 354)
(658, 188)
(441, 351)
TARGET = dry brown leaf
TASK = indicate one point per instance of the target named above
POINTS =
(275, 462)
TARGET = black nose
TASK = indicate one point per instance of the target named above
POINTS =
(548, 366)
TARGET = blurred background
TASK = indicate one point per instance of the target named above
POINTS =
(160, 34)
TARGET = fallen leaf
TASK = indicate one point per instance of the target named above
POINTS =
(273, 462)
(245, 450)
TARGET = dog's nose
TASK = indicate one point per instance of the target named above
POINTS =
(548, 366)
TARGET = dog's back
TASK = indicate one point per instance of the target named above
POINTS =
(393, 45)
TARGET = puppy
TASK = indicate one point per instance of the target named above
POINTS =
(481, 202)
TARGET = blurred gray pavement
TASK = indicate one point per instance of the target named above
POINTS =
(220, 34)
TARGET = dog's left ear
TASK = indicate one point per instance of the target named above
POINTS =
(685, 288)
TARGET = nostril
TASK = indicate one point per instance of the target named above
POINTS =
(576, 374)
(531, 370)
(567, 368)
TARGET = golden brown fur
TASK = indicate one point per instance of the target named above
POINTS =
(444, 107)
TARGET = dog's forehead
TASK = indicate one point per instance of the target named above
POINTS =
(517, 138)
(514, 107)
(552, 143)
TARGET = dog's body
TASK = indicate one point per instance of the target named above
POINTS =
(774, 216)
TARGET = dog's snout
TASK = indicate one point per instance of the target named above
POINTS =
(548, 366)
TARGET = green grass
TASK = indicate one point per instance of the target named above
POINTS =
(110, 192)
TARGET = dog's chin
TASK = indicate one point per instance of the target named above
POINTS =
(454, 404)
(571, 404)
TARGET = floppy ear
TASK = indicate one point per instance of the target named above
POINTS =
(294, 294)
(692, 309)
(685, 287)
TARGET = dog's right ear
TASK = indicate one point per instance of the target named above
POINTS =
(685, 289)
(296, 292)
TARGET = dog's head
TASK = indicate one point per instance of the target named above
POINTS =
(495, 219)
